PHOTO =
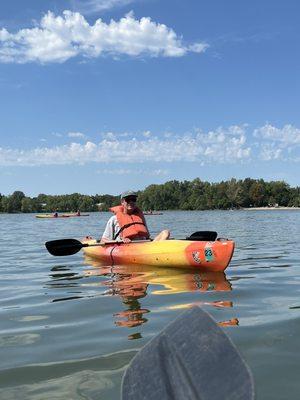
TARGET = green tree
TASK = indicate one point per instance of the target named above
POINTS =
(27, 205)
(13, 203)
(16, 200)
(6, 204)
(87, 204)
(185, 195)
(257, 194)
(279, 192)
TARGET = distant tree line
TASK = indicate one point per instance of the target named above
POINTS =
(172, 195)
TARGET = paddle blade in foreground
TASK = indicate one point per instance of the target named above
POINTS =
(63, 247)
(191, 359)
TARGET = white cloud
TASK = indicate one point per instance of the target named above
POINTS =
(269, 152)
(59, 38)
(158, 172)
(278, 143)
(109, 135)
(233, 145)
(198, 47)
(287, 135)
(135, 171)
(94, 6)
(76, 135)
(221, 146)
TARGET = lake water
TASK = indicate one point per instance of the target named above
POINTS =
(70, 328)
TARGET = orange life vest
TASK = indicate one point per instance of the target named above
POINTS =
(132, 226)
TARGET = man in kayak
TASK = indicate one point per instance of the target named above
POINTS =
(129, 223)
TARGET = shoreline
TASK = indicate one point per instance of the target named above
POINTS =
(279, 208)
(269, 208)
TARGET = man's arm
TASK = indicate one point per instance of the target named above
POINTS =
(108, 233)
(111, 228)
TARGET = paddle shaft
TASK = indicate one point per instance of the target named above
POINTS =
(111, 242)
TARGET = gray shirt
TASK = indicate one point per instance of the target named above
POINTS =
(112, 227)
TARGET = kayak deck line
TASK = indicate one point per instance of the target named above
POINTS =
(204, 255)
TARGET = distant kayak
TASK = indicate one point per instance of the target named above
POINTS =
(51, 216)
(152, 213)
(75, 215)
(61, 216)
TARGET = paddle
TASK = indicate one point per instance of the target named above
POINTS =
(67, 247)
(191, 359)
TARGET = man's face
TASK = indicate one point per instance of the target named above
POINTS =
(129, 204)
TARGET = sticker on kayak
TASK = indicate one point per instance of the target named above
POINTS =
(196, 257)
(209, 255)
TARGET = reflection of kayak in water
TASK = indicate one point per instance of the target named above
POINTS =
(188, 282)
(61, 216)
(131, 282)
(132, 277)
(203, 255)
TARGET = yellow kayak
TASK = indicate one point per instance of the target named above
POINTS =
(204, 255)
(60, 216)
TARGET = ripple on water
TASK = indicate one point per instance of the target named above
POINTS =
(69, 328)
(18, 340)
(76, 379)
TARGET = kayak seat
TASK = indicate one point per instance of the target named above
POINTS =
(209, 236)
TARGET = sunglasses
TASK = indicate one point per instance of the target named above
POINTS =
(130, 198)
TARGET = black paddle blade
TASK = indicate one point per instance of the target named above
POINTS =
(209, 236)
(191, 359)
(63, 247)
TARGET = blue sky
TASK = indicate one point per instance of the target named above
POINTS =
(99, 96)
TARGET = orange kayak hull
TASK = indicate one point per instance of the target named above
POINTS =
(203, 255)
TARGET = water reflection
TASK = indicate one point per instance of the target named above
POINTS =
(130, 287)
(60, 274)
(132, 283)
(62, 277)
(67, 298)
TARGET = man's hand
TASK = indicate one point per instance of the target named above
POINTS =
(104, 240)
(126, 240)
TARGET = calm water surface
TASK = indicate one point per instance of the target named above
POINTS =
(69, 327)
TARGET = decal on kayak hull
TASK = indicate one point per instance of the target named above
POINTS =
(208, 253)
(196, 256)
